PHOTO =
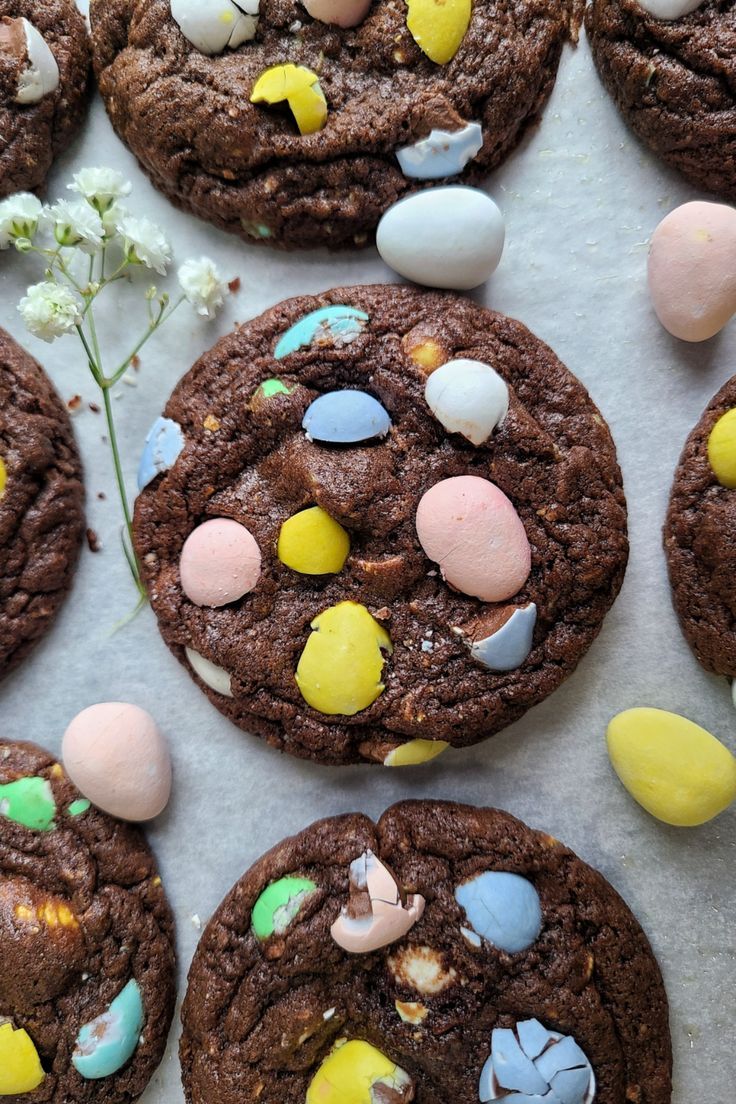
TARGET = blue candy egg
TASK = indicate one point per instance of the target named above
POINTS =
(106, 1043)
(504, 908)
(164, 443)
(345, 418)
(327, 326)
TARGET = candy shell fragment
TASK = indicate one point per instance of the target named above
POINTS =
(216, 678)
(443, 153)
(3, 477)
(722, 449)
(676, 770)
(278, 905)
(214, 25)
(503, 908)
(336, 325)
(30, 802)
(438, 26)
(106, 1043)
(20, 1066)
(339, 671)
(300, 88)
(414, 752)
(313, 543)
(164, 443)
(355, 1073)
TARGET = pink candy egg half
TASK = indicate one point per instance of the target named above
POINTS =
(220, 562)
(469, 527)
(342, 13)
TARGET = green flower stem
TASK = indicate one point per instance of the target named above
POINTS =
(129, 552)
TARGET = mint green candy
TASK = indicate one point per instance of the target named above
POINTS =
(81, 805)
(30, 802)
(278, 905)
(106, 1043)
(271, 387)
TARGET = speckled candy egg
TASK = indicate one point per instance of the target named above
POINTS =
(114, 753)
(443, 237)
(220, 562)
(470, 528)
(692, 275)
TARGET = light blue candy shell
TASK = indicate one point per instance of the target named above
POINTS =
(345, 418)
(118, 1029)
(534, 1037)
(506, 649)
(572, 1085)
(511, 1066)
(164, 444)
(564, 1055)
(444, 153)
(504, 908)
(340, 323)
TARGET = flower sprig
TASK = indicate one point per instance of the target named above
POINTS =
(88, 244)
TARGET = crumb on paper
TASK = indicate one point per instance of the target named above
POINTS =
(196, 921)
(94, 407)
(93, 541)
(73, 404)
(234, 286)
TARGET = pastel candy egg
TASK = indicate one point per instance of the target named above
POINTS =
(441, 153)
(114, 753)
(722, 449)
(503, 640)
(531, 1063)
(313, 543)
(339, 671)
(676, 770)
(300, 88)
(502, 907)
(336, 325)
(37, 73)
(164, 443)
(279, 904)
(443, 237)
(20, 1066)
(342, 13)
(106, 1043)
(355, 1073)
(220, 562)
(670, 9)
(469, 527)
(692, 276)
(468, 397)
(414, 752)
(213, 25)
(211, 675)
(438, 26)
(346, 418)
(30, 802)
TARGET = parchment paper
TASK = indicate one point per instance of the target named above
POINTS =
(581, 199)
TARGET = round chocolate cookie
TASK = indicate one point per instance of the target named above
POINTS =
(279, 126)
(41, 503)
(673, 80)
(44, 62)
(414, 478)
(700, 536)
(86, 943)
(444, 954)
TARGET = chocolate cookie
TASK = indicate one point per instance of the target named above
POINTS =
(86, 943)
(700, 536)
(444, 954)
(417, 479)
(279, 126)
(41, 503)
(44, 62)
(673, 79)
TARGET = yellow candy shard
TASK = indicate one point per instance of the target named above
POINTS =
(722, 449)
(438, 26)
(20, 1066)
(339, 671)
(300, 87)
(675, 769)
(349, 1073)
(313, 543)
(3, 477)
(415, 751)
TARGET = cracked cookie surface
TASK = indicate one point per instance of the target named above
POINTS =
(263, 1009)
(674, 82)
(244, 166)
(41, 503)
(246, 458)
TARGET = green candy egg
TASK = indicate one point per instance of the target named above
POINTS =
(279, 904)
(30, 802)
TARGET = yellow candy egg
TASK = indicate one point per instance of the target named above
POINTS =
(20, 1066)
(675, 769)
(414, 752)
(3, 477)
(313, 543)
(722, 449)
(300, 88)
(348, 1074)
(339, 671)
(438, 26)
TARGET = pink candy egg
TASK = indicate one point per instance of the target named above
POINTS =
(692, 270)
(220, 562)
(343, 13)
(115, 755)
(470, 528)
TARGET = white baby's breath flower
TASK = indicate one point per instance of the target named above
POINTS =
(144, 243)
(111, 218)
(203, 285)
(101, 187)
(19, 217)
(50, 310)
(76, 224)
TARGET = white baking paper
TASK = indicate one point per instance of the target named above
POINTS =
(581, 199)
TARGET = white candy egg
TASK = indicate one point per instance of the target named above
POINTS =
(443, 237)
(40, 76)
(670, 9)
(468, 397)
(213, 25)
